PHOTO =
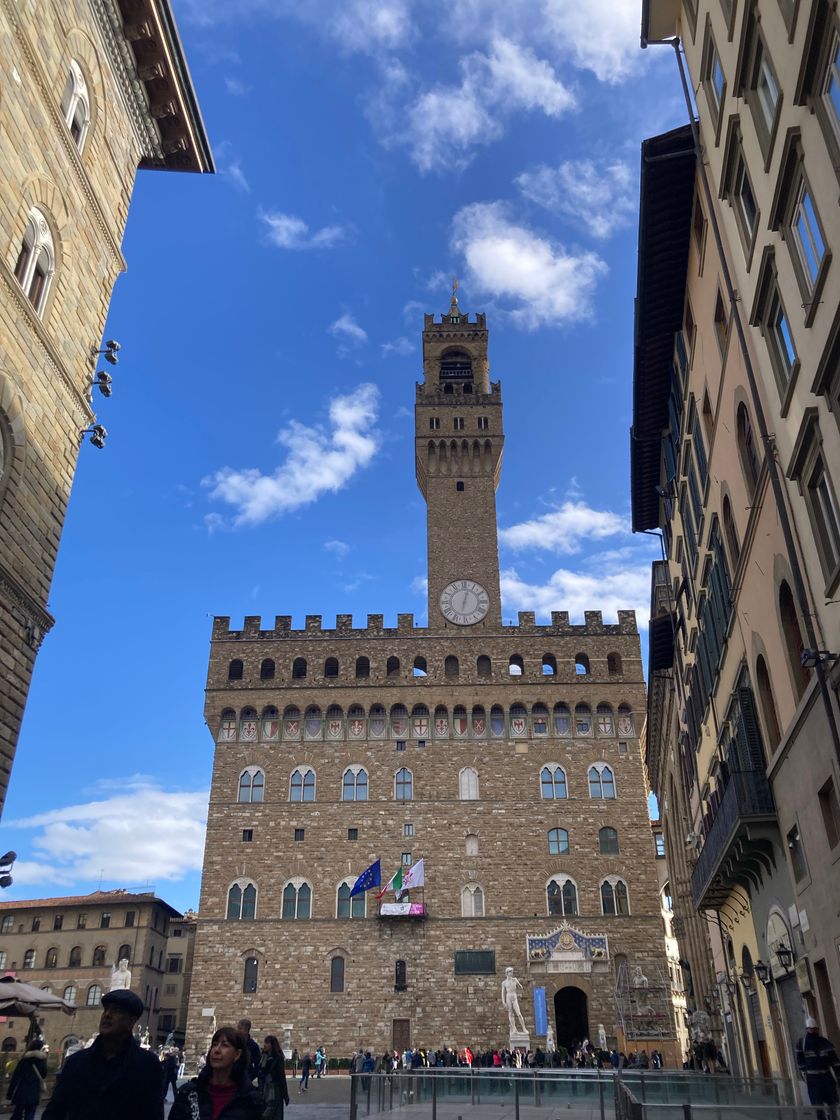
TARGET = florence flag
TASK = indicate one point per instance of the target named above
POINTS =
(415, 876)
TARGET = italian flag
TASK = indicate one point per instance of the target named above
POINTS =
(395, 883)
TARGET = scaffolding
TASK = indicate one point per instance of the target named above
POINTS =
(643, 1002)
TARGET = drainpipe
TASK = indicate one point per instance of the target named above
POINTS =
(766, 439)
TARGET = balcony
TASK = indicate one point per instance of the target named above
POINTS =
(741, 841)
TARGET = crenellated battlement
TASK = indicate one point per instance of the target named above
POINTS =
(560, 625)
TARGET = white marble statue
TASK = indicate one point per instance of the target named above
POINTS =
(510, 1001)
(120, 976)
(639, 978)
(549, 1040)
(602, 1037)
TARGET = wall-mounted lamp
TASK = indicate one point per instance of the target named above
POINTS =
(109, 353)
(747, 980)
(785, 955)
(6, 862)
(762, 971)
(97, 434)
(810, 658)
(103, 382)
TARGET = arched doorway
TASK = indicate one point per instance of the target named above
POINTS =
(571, 1016)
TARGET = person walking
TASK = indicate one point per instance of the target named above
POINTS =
(170, 1072)
(275, 1091)
(27, 1082)
(305, 1070)
(817, 1062)
(113, 1078)
(253, 1049)
(223, 1090)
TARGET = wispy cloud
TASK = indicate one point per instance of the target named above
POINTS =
(337, 548)
(400, 346)
(287, 231)
(234, 87)
(318, 461)
(599, 197)
(412, 312)
(127, 833)
(565, 529)
(230, 166)
(541, 282)
(348, 332)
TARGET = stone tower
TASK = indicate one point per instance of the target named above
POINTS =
(459, 440)
(505, 757)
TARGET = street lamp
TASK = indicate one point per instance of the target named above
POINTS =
(747, 981)
(762, 971)
(785, 955)
(6, 862)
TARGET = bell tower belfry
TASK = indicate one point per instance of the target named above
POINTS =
(458, 442)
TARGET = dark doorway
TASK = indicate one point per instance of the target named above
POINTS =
(571, 1016)
(401, 1037)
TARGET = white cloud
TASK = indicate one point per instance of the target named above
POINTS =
(401, 346)
(545, 284)
(574, 27)
(420, 585)
(601, 198)
(348, 332)
(565, 529)
(236, 88)
(337, 548)
(412, 311)
(365, 26)
(317, 462)
(135, 832)
(603, 585)
(230, 167)
(286, 231)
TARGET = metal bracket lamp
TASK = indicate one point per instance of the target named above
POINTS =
(785, 956)
(810, 658)
(97, 434)
(6, 862)
(763, 972)
(109, 353)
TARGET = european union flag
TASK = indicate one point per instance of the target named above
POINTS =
(370, 877)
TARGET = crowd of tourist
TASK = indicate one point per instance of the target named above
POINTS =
(581, 1055)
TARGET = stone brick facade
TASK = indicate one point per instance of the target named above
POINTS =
(463, 739)
(76, 187)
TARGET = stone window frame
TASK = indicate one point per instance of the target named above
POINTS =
(471, 893)
(715, 98)
(807, 461)
(558, 837)
(37, 252)
(561, 879)
(608, 843)
(614, 882)
(243, 884)
(70, 993)
(735, 173)
(356, 906)
(552, 769)
(600, 768)
(768, 314)
(93, 995)
(468, 784)
(338, 975)
(755, 71)
(76, 105)
(403, 784)
(295, 883)
(304, 772)
(356, 769)
(252, 772)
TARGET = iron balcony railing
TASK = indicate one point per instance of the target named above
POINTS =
(747, 798)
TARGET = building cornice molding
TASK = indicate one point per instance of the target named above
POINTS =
(113, 241)
(36, 619)
(81, 406)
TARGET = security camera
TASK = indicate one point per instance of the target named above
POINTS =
(98, 435)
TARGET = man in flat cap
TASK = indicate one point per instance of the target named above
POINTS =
(818, 1062)
(114, 1079)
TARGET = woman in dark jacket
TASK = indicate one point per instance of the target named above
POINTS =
(273, 1079)
(222, 1090)
(27, 1081)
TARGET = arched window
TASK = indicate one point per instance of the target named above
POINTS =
(36, 260)
(614, 898)
(337, 974)
(583, 719)
(236, 669)
(403, 784)
(558, 842)
(242, 900)
(768, 704)
(354, 784)
(483, 666)
(362, 673)
(249, 977)
(516, 665)
(549, 665)
(614, 664)
(471, 844)
(75, 958)
(793, 638)
(419, 668)
(98, 956)
(69, 994)
(392, 667)
(302, 784)
(608, 841)
(400, 981)
(601, 782)
(497, 720)
(553, 782)
(251, 784)
(604, 720)
(581, 665)
(297, 901)
(539, 719)
(7, 924)
(94, 995)
(731, 533)
(331, 667)
(562, 720)
(267, 670)
(472, 901)
(468, 784)
(451, 667)
(347, 907)
(747, 450)
(75, 104)
(125, 953)
(561, 895)
(299, 669)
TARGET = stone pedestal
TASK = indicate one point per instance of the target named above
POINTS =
(520, 1040)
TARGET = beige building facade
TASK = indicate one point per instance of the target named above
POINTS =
(506, 757)
(737, 459)
(90, 92)
(175, 993)
(71, 946)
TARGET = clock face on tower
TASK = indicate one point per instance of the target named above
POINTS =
(464, 602)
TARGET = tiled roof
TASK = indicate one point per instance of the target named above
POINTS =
(97, 898)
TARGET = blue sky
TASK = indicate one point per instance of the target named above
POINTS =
(270, 324)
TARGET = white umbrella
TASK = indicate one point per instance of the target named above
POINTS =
(17, 998)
